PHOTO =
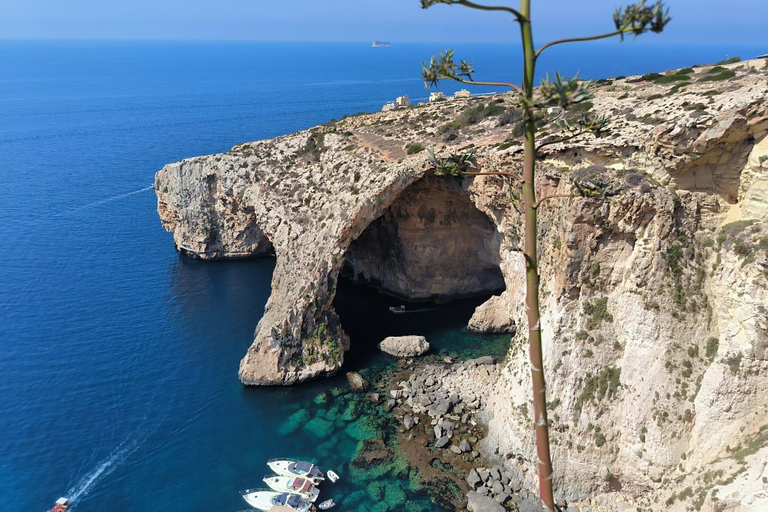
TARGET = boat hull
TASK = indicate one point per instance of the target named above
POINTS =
(286, 467)
(293, 484)
(263, 499)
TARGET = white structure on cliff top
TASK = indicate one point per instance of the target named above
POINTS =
(402, 101)
(436, 96)
(462, 94)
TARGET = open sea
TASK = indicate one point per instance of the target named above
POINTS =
(118, 356)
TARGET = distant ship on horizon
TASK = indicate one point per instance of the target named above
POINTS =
(380, 44)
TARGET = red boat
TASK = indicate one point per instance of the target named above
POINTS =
(62, 504)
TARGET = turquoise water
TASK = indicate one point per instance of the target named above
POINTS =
(118, 356)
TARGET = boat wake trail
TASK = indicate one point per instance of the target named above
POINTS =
(113, 198)
(103, 468)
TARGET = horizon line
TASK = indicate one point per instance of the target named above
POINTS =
(332, 41)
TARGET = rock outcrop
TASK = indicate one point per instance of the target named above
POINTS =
(654, 316)
(404, 346)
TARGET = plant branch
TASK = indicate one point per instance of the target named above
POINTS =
(492, 84)
(553, 196)
(518, 16)
(578, 40)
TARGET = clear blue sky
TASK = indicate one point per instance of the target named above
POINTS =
(695, 21)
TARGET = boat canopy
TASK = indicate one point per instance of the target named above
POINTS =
(287, 499)
(304, 467)
(301, 485)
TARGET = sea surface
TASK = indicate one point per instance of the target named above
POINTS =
(118, 356)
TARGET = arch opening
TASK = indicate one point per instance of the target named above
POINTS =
(431, 251)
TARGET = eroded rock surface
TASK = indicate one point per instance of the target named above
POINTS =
(404, 346)
(653, 303)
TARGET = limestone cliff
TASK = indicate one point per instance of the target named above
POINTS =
(653, 302)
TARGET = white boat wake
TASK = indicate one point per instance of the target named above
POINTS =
(103, 468)
(113, 198)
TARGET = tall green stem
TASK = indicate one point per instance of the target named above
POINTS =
(532, 268)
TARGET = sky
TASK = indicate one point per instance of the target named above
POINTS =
(695, 21)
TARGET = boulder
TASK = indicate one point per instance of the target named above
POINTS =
(404, 346)
(479, 361)
(442, 408)
(473, 479)
(357, 381)
(464, 446)
(476, 502)
(442, 442)
(493, 317)
(408, 422)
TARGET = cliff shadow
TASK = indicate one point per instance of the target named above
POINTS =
(431, 251)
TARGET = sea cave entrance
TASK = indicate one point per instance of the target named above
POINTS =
(435, 253)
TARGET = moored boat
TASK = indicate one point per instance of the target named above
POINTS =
(293, 484)
(326, 504)
(288, 467)
(263, 499)
(332, 476)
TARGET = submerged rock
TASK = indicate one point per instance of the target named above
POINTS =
(404, 346)
(357, 381)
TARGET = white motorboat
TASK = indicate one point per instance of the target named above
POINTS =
(287, 467)
(327, 504)
(263, 499)
(294, 484)
(332, 476)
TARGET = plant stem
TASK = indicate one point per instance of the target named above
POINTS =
(579, 40)
(532, 268)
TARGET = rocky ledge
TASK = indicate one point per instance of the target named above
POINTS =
(654, 316)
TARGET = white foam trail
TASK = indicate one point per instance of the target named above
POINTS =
(113, 198)
(104, 468)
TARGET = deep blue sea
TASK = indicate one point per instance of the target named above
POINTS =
(118, 356)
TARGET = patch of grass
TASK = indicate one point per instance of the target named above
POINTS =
(753, 445)
(654, 97)
(603, 385)
(675, 89)
(314, 146)
(509, 144)
(510, 116)
(414, 148)
(717, 74)
(734, 362)
(732, 60)
(597, 312)
(584, 106)
(650, 77)
(732, 230)
(475, 114)
(668, 79)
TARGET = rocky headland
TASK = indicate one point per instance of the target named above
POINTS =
(653, 302)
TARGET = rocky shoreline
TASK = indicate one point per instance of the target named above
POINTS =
(438, 406)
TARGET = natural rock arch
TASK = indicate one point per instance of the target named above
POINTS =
(432, 243)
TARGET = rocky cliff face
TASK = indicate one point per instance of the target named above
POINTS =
(654, 314)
